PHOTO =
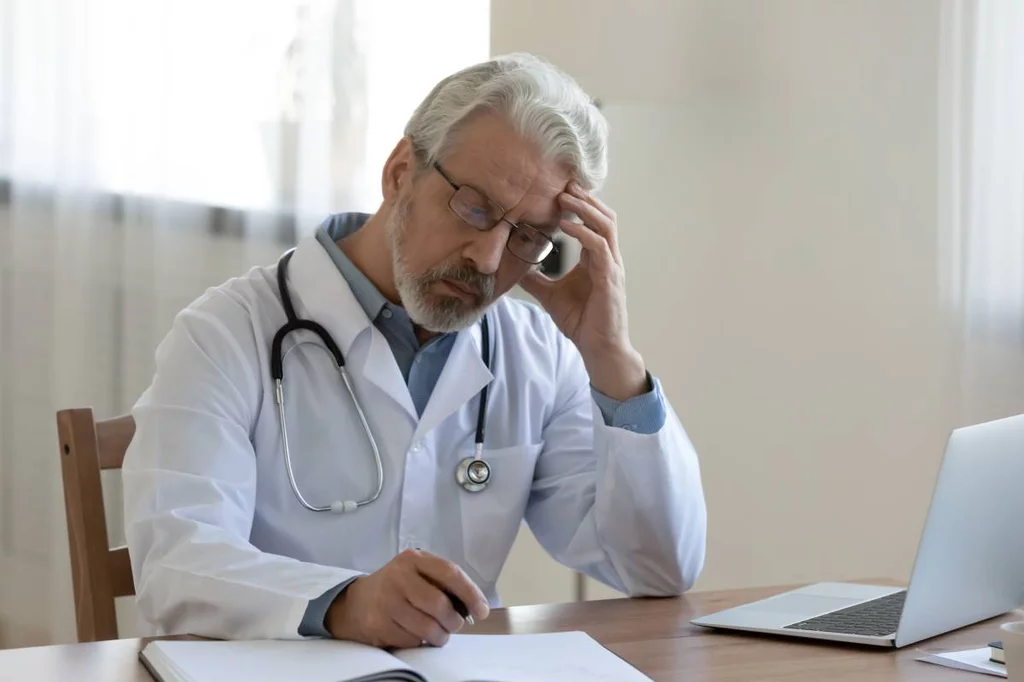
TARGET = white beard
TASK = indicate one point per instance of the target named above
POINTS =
(435, 313)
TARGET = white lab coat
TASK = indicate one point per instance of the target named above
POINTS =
(221, 547)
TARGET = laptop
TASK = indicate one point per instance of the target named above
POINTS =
(969, 565)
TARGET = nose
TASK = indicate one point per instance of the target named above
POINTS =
(486, 249)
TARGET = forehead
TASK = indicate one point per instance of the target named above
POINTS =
(488, 154)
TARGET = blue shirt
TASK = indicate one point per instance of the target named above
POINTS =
(421, 366)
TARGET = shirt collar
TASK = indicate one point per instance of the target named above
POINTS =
(378, 309)
(330, 231)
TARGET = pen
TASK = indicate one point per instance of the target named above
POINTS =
(460, 607)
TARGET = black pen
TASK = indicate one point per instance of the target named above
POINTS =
(460, 607)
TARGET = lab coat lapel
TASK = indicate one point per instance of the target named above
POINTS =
(463, 376)
(382, 369)
(315, 281)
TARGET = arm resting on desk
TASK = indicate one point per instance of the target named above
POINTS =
(622, 506)
(190, 488)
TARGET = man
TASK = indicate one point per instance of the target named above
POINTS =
(576, 436)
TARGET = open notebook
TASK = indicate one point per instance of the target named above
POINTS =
(563, 656)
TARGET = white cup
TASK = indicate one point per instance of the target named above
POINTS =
(1013, 648)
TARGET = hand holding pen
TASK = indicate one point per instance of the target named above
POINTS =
(415, 598)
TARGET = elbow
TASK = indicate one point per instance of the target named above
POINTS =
(672, 580)
(161, 599)
(691, 550)
(151, 611)
(670, 574)
(165, 606)
(674, 572)
(689, 569)
(690, 557)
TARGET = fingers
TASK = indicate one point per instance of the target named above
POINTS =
(397, 636)
(447, 576)
(420, 609)
(431, 601)
(594, 214)
(420, 626)
(587, 196)
(595, 247)
(416, 611)
(603, 208)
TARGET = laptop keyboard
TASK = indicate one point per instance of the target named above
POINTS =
(875, 618)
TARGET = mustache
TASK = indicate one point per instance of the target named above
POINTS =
(463, 273)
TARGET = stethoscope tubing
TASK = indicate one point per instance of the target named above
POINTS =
(277, 373)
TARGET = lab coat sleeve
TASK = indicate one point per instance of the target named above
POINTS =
(190, 485)
(622, 507)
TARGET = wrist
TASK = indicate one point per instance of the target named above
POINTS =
(620, 374)
(337, 620)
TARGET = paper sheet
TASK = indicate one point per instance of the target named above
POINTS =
(973, 660)
(553, 657)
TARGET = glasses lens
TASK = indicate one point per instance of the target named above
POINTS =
(529, 243)
(475, 209)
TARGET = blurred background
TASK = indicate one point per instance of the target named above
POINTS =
(821, 209)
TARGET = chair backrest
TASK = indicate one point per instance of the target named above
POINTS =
(99, 573)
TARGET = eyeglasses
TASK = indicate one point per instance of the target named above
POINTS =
(474, 208)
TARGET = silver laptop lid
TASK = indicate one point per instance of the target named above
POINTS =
(970, 561)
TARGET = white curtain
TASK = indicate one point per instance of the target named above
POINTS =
(150, 149)
(981, 190)
(985, 144)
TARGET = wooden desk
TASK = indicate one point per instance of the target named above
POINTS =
(654, 635)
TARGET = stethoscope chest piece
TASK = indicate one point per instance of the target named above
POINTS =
(473, 474)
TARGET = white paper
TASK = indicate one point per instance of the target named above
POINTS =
(973, 660)
(551, 657)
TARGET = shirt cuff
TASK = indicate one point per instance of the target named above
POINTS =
(644, 413)
(313, 621)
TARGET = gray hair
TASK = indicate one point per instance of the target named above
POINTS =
(541, 102)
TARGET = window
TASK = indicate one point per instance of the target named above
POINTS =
(981, 156)
(231, 103)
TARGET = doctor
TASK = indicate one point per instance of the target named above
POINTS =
(422, 501)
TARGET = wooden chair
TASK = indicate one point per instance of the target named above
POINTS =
(99, 573)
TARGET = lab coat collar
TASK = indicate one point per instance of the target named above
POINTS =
(316, 282)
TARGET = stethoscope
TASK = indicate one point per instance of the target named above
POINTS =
(472, 473)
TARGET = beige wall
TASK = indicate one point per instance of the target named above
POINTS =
(774, 168)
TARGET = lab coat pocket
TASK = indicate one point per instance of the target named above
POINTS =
(491, 517)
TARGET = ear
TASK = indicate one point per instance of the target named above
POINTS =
(399, 170)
